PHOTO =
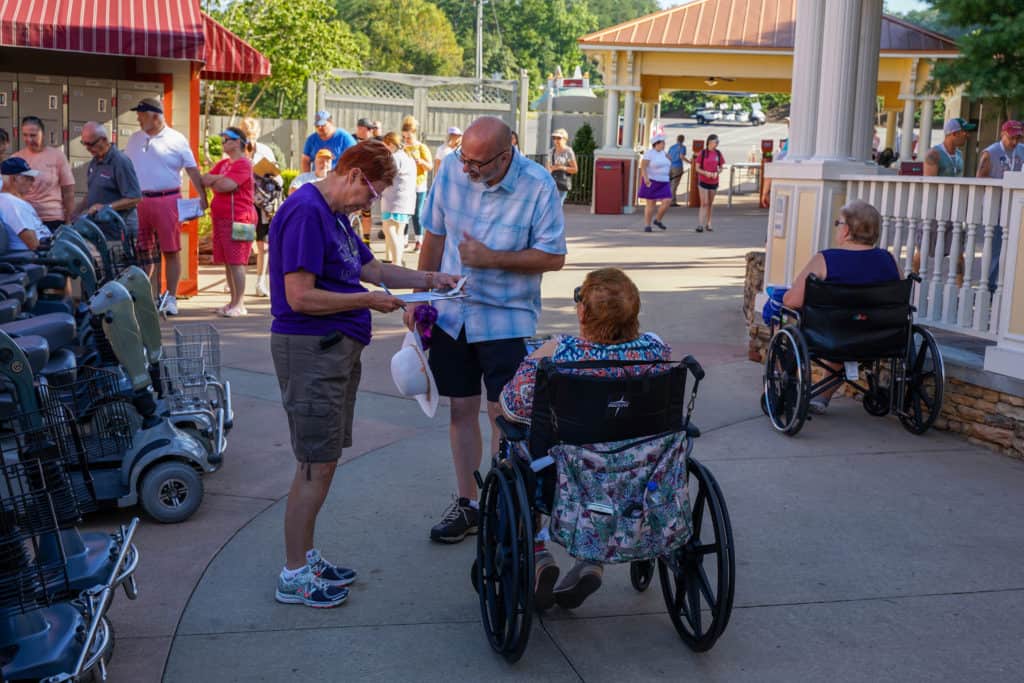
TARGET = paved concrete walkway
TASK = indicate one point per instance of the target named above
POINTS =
(863, 553)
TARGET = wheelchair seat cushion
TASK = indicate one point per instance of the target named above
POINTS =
(61, 360)
(57, 328)
(856, 322)
(622, 501)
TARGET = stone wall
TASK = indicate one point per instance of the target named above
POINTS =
(986, 415)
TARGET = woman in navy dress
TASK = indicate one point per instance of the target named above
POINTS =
(856, 260)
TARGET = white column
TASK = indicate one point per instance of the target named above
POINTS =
(866, 104)
(611, 102)
(927, 113)
(648, 122)
(907, 130)
(806, 73)
(890, 129)
(834, 137)
(629, 108)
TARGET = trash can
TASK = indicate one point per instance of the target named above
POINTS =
(609, 180)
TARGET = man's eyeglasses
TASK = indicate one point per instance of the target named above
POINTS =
(473, 163)
(577, 295)
(90, 143)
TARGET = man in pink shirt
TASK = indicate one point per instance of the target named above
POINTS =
(53, 193)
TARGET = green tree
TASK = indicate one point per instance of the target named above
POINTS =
(303, 39)
(611, 12)
(584, 144)
(536, 35)
(408, 36)
(930, 18)
(991, 61)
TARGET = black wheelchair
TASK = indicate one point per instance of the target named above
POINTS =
(869, 325)
(571, 406)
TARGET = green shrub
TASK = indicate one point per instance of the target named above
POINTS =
(584, 143)
(288, 175)
(205, 225)
(214, 147)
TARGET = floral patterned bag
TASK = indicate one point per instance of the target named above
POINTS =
(622, 501)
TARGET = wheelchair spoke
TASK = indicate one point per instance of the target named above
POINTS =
(706, 549)
(705, 585)
(693, 595)
(698, 513)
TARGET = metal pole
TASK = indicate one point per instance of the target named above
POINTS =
(524, 106)
(479, 49)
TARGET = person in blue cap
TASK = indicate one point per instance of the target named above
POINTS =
(326, 136)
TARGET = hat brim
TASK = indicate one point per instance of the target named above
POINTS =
(31, 173)
(429, 401)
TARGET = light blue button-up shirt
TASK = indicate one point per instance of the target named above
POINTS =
(523, 211)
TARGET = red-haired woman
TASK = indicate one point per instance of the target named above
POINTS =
(321, 326)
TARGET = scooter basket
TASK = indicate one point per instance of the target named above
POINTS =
(202, 337)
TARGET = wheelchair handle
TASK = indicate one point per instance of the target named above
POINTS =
(691, 364)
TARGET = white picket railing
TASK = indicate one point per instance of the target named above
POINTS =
(950, 227)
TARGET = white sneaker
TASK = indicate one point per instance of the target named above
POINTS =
(261, 287)
(168, 304)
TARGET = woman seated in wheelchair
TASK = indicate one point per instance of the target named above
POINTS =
(608, 309)
(855, 261)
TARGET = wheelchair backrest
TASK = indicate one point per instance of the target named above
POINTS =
(574, 404)
(857, 322)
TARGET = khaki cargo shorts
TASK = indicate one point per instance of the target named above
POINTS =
(318, 390)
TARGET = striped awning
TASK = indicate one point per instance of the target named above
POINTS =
(228, 57)
(168, 29)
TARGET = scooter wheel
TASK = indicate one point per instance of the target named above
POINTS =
(171, 492)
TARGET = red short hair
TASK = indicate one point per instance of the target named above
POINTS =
(372, 157)
(611, 306)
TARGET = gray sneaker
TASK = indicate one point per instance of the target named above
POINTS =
(579, 582)
(458, 521)
(306, 589)
(546, 571)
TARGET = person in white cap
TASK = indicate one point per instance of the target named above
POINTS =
(562, 164)
(20, 221)
(448, 146)
(945, 159)
(655, 186)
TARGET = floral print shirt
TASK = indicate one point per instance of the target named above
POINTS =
(517, 396)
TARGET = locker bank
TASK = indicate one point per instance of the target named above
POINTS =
(73, 61)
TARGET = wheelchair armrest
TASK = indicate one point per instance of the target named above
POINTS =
(793, 313)
(692, 430)
(511, 430)
(694, 367)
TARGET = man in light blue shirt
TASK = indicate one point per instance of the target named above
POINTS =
(494, 216)
(677, 157)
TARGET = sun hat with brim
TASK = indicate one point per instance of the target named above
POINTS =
(412, 376)
(150, 104)
(17, 166)
(560, 133)
(324, 154)
(232, 135)
(657, 138)
(454, 130)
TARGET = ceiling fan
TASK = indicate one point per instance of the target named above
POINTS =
(712, 81)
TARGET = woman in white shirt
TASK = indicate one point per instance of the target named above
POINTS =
(398, 202)
(655, 187)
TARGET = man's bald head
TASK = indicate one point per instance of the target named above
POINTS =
(487, 147)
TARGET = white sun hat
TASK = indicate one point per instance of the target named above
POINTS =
(412, 376)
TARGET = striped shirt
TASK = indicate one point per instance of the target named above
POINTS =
(521, 212)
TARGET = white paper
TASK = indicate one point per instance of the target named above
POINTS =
(189, 209)
(426, 297)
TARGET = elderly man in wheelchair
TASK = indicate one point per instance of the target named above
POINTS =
(849, 308)
(597, 436)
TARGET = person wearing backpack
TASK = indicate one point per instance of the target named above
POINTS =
(708, 164)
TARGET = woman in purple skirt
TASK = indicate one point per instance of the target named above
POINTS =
(654, 183)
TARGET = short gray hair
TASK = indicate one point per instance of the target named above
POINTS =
(98, 128)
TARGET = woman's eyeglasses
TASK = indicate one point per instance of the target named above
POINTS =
(374, 195)
(577, 295)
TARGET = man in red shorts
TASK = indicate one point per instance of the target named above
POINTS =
(159, 154)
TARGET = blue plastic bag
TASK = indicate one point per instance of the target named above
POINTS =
(773, 306)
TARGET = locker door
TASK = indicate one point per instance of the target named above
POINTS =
(128, 95)
(88, 100)
(43, 96)
(7, 98)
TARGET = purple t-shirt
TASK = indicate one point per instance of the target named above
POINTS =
(306, 235)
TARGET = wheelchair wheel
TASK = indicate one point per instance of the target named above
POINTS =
(924, 378)
(505, 566)
(698, 580)
(640, 574)
(787, 381)
(877, 402)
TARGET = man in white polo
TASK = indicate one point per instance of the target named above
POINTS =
(159, 154)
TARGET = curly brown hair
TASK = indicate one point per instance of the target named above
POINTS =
(372, 157)
(611, 306)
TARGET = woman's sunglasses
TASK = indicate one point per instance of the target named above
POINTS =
(577, 294)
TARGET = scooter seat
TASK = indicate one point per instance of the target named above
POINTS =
(15, 292)
(35, 349)
(58, 329)
(9, 310)
(52, 281)
(20, 278)
(60, 360)
(35, 272)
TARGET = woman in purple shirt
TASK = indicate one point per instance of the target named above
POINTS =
(321, 326)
